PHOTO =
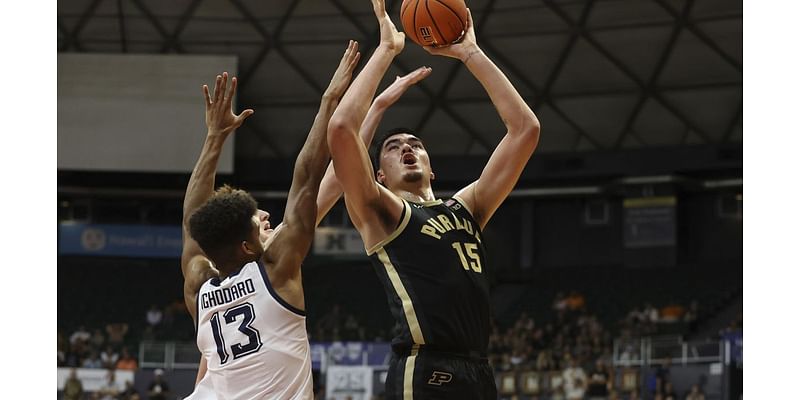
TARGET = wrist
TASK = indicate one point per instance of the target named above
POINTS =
(470, 52)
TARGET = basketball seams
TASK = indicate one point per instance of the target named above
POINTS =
(447, 6)
(414, 21)
(433, 21)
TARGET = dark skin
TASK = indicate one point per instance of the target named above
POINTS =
(283, 249)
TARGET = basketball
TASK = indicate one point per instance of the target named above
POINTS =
(434, 23)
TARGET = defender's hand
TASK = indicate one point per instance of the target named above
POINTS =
(401, 83)
(344, 73)
(220, 118)
(391, 39)
(463, 50)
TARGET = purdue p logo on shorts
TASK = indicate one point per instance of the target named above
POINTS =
(438, 378)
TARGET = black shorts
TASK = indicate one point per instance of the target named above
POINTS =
(425, 375)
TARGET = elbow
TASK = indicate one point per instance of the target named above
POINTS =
(529, 128)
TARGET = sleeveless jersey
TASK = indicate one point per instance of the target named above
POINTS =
(254, 342)
(434, 272)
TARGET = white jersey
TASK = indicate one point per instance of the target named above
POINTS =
(254, 342)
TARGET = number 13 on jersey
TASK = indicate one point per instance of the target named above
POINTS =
(468, 254)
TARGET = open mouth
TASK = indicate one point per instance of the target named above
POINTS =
(409, 159)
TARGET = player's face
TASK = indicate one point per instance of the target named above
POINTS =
(404, 158)
(262, 225)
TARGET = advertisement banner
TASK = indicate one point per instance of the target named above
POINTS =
(348, 382)
(119, 240)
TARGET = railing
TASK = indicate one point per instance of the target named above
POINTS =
(663, 349)
(169, 355)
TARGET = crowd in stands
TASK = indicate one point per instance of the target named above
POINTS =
(574, 344)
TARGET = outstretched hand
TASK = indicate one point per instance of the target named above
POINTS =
(344, 73)
(462, 50)
(401, 83)
(390, 37)
(220, 118)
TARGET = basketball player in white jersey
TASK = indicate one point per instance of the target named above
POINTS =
(242, 281)
(243, 284)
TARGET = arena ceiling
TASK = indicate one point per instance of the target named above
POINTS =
(600, 74)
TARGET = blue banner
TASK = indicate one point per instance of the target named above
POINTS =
(119, 240)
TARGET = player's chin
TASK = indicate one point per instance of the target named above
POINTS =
(412, 176)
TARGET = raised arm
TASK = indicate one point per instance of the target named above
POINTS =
(509, 158)
(221, 122)
(372, 208)
(330, 190)
(294, 235)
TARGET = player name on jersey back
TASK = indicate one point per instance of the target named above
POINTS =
(226, 295)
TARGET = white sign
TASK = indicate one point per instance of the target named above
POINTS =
(338, 241)
(344, 382)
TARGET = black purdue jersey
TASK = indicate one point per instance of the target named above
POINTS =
(434, 272)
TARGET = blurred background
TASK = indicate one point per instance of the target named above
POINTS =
(617, 259)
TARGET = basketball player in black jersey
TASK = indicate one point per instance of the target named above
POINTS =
(428, 252)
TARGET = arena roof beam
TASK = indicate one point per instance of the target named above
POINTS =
(732, 125)
(123, 37)
(172, 40)
(701, 35)
(662, 62)
(72, 37)
(632, 76)
(156, 23)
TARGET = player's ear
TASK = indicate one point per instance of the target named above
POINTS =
(433, 176)
(247, 248)
(380, 177)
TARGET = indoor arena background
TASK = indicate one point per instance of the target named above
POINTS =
(619, 253)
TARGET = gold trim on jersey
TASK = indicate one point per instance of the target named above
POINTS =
(408, 375)
(408, 305)
(464, 204)
(431, 202)
(403, 223)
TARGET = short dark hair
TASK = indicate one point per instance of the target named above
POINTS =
(224, 220)
(376, 151)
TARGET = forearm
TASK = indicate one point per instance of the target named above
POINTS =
(514, 112)
(314, 156)
(354, 105)
(330, 190)
(201, 182)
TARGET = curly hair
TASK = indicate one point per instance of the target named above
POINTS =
(224, 220)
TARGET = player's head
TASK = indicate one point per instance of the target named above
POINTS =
(400, 158)
(230, 227)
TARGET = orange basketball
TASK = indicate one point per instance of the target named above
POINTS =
(434, 23)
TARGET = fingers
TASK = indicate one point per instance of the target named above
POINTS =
(216, 88)
(229, 97)
(223, 86)
(243, 116)
(206, 95)
(353, 63)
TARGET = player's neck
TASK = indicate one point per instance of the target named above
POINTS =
(415, 195)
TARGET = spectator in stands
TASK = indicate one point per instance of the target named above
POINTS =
(109, 357)
(109, 390)
(129, 392)
(126, 361)
(672, 312)
(599, 381)
(158, 388)
(73, 388)
(574, 380)
(79, 343)
(650, 313)
(351, 330)
(669, 392)
(154, 316)
(116, 334)
(93, 361)
(560, 302)
(330, 324)
(97, 340)
(575, 301)
(61, 349)
(695, 393)
(691, 314)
